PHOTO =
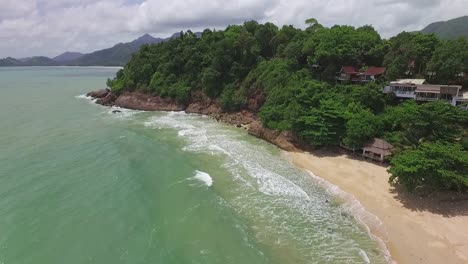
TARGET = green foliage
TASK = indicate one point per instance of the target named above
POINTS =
(180, 92)
(231, 99)
(370, 96)
(441, 165)
(324, 125)
(341, 45)
(449, 60)
(414, 124)
(361, 125)
(409, 53)
(211, 81)
(313, 25)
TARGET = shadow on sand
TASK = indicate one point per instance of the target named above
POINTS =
(446, 203)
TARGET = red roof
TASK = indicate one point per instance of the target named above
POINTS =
(372, 71)
(348, 70)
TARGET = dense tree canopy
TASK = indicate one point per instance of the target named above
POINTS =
(450, 60)
(435, 164)
(294, 71)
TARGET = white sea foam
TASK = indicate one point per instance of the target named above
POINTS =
(203, 177)
(297, 206)
(373, 224)
(122, 113)
(84, 96)
(364, 256)
(218, 142)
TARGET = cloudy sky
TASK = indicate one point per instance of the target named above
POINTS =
(49, 27)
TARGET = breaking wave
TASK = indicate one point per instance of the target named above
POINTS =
(203, 177)
(286, 205)
(84, 96)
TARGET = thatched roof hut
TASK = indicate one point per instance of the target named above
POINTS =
(377, 149)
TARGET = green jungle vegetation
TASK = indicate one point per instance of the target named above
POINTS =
(294, 70)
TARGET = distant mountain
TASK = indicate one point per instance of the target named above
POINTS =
(145, 39)
(67, 56)
(450, 29)
(10, 62)
(39, 61)
(24, 59)
(118, 55)
(32, 61)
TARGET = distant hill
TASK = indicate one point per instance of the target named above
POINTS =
(67, 56)
(10, 62)
(32, 61)
(39, 61)
(450, 29)
(118, 55)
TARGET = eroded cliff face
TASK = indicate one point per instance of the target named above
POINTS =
(202, 104)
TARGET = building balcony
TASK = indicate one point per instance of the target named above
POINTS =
(404, 94)
(432, 99)
(426, 99)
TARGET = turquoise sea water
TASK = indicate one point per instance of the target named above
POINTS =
(79, 184)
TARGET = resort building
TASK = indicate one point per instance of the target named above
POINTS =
(349, 74)
(377, 149)
(404, 88)
(372, 74)
(429, 92)
(417, 89)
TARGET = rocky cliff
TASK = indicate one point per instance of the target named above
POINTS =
(201, 104)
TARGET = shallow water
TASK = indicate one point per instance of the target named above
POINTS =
(79, 184)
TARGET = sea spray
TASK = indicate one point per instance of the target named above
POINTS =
(203, 177)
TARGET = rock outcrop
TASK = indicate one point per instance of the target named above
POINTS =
(146, 102)
(282, 139)
(202, 104)
(107, 100)
(99, 93)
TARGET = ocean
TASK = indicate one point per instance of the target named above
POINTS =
(79, 184)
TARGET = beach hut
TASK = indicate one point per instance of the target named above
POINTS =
(377, 149)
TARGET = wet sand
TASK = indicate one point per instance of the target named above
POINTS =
(415, 230)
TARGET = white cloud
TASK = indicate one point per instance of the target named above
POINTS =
(49, 27)
(14, 8)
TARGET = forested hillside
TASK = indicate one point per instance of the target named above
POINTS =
(451, 29)
(293, 70)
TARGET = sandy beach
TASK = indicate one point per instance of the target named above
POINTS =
(415, 230)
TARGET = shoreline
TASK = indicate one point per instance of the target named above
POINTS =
(410, 236)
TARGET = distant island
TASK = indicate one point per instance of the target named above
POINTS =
(117, 55)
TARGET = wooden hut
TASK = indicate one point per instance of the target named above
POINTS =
(377, 149)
